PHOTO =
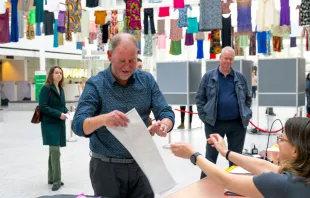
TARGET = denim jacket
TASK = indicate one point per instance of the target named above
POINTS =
(207, 97)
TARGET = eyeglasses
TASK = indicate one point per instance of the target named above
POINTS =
(280, 138)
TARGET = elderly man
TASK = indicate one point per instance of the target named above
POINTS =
(223, 102)
(106, 97)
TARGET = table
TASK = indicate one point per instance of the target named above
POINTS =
(201, 189)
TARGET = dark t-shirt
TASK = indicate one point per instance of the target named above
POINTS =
(272, 185)
(92, 3)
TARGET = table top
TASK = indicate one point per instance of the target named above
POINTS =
(201, 189)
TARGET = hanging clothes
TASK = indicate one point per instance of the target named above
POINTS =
(73, 18)
(225, 7)
(293, 42)
(175, 48)
(193, 26)
(100, 17)
(5, 30)
(39, 10)
(100, 45)
(183, 21)
(304, 12)
(164, 12)
(30, 32)
(215, 42)
(149, 13)
(60, 39)
(120, 26)
(92, 3)
(226, 31)
(278, 30)
(32, 17)
(114, 22)
(105, 32)
(238, 50)
(189, 39)
(20, 19)
(161, 26)
(232, 37)
(252, 50)
(178, 3)
(175, 30)
(137, 35)
(61, 22)
(200, 37)
(23, 5)
(133, 18)
(306, 33)
(210, 15)
(148, 45)
(244, 41)
(277, 43)
(55, 34)
(14, 22)
(244, 19)
(48, 23)
(265, 15)
(285, 13)
(92, 32)
(161, 41)
(85, 25)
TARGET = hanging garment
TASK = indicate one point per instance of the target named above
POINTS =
(244, 25)
(2, 7)
(20, 19)
(189, 39)
(232, 38)
(30, 32)
(92, 32)
(32, 17)
(164, 12)
(306, 33)
(55, 33)
(252, 50)
(285, 13)
(148, 13)
(48, 23)
(148, 45)
(137, 35)
(39, 10)
(161, 41)
(215, 42)
(277, 43)
(200, 36)
(269, 35)
(60, 39)
(278, 30)
(192, 25)
(14, 22)
(175, 30)
(73, 18)
(120, 26)
(262, 42)
(105, 32)
(304, 12)
(200, 54)
(265, 15)
(100, 45)
(293, 42)
(61, 22)
(5, 30)
(133, 18)
(244, 41)
(183, 21)
(226, 31)
(175, 48)
(92, 3)
(238, 50)
(23, 5)
(178, 3)
(225, 6)
(210, 19)
(161, 26)
(100, 17)
(114, 22)
(84, 25)
(38, 29)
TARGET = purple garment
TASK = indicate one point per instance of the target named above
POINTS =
(61, 18)
(293, 42)
(189, 39)
(244, 18)
(61, 29)
(285, 13)
(5, 28)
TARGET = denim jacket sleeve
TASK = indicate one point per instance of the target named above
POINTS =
(201, 98)
(248, 97)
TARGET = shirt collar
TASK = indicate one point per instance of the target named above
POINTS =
(231, 71)
(112, 79)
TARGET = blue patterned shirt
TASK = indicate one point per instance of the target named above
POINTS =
(103, 94)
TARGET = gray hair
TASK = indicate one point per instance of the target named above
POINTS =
(228, 49)
(122, 37)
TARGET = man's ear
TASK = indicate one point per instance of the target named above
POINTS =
(109, 53)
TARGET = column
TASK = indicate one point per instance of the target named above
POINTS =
(42, 53)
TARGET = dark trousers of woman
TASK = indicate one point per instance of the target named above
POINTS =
(254, 89)
(54, 171)
(183, 114)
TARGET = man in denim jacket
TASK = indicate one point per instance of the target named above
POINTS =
(223, 102)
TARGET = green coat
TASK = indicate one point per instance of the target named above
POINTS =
(51, 106)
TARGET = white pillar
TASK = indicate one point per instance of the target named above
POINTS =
(26, 69)
(42, 53)
(89, 69)
(302, 47)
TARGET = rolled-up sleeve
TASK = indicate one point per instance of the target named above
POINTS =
(88, 107)
(201, 98)
(160, 107)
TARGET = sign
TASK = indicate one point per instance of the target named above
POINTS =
(39, 81)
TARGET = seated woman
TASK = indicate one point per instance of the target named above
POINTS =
(290, 179)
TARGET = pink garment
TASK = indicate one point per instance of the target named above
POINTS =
(161, 41)
(178, 4)
(4, 24)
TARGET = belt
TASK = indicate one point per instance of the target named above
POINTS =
(112, 160)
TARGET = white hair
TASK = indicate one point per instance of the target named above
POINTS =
(228, 48)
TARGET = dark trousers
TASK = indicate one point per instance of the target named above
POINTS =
(119, 180)
(148, 12)
(183, 114)
(54, 170)
(254, 89)
(235, 137)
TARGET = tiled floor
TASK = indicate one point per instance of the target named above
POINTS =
(23, 167)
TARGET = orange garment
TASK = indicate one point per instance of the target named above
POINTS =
(100, 17)
(277, 43)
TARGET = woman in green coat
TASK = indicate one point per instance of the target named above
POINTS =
(53, 109)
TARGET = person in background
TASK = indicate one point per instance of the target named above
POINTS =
(224, 104)
(139, 64)
(183, 108)
(110, 94)
(291, 179)
(254, 85)
(82, 86)
(52, 104)
(269, 111)
(308, 94)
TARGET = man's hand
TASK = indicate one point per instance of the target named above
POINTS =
(159, 128)
(183, 150)
(115, 119)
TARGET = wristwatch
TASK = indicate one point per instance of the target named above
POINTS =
(194, 157)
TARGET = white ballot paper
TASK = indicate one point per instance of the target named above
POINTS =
(138, 141)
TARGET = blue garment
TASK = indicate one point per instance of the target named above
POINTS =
(183, 21)
(261, 42)
(14, 22)
(38, 29)
(193, 25)
(200, 49)
(55, 33)
(307, 84)
(227, 108)
(103, 94)
(207, 97)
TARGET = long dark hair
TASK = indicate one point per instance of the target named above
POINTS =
(297, 131)
(49, 81)
(308, 76)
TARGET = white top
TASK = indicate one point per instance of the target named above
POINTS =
(2, 6)
(52, 5)
(254, 81)
(265, 15)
